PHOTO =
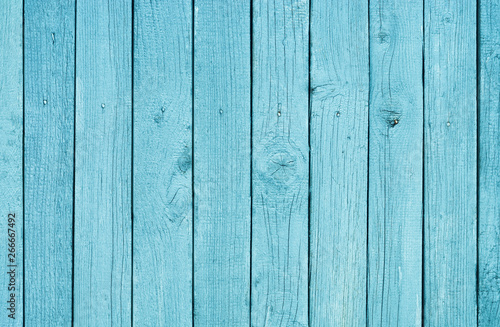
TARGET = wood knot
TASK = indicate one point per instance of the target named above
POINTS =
(184, 161)
(383, 37)
(392, 117)
(447, 18)
(279, 161)
(282, 166)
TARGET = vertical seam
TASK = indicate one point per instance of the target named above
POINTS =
(422, 313)
(309, 109)
(251, 160)
(23, 172)
(74, 179)
(478, 146)
(132, 170)
(192, 163)
(367, 275)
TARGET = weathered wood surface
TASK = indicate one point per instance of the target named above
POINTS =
(162, 163)
(49, 66)
(11, 161)
(489, 163)
(395, 164)
(280, 173)
(253, 162)
(221, 170)
(103, 219)
(450, 151)
(339, 152)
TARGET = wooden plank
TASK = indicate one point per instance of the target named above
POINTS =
(280, 174)
(395, 161)
(489, 163)
(11, 162)
(339, 144)
(222, 163)
(162, 163)
(49, 41)
(103, 260)
(450, 163)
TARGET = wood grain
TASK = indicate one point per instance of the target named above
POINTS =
(221, 163)
(339, 145)
(254, 162)
(280, 163)
(450, 163)
(395, 164)
(103, 260)
(49, 38)
(11, 159)
(489, 163)
(162, 163)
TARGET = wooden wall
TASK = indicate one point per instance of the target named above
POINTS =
(250, 163)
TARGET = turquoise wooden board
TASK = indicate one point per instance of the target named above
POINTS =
(450, 151)
(103, 128)
(49, 66)
(339, 76)
(221, 163)
(395, 164)
(11, 162)
(280, 165)
(489, 163)
(221, 172)
(162, 163)
(252, 162)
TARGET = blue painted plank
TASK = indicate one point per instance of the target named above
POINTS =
(339, 145)
(395, 164)
(222, 163)
(11, 162)
(489, 163)
(162, 163)
(49, 40)
(280, 163)
(450, 163)
(103, 259)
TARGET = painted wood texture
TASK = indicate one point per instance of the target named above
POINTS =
(450, 163)
(280, 163)
(103, 128)
(253, 162)
(339, 75)
(49, 65)
(11, 161)
(395, 164)
(222, 163)
(489, 163)
(162, 163)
